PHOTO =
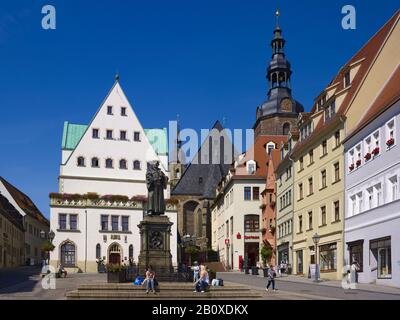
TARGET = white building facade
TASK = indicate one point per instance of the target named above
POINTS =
(102, 187)
(236, 221)
(372, 220)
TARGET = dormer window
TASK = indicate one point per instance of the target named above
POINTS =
(330, 111)
(321, 102)
(251, 167)
(347, 79)
(110, 110)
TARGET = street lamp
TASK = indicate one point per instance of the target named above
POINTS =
(51, 235)
(316, 237)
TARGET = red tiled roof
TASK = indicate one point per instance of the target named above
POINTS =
(368, 53)
(260, 155)
(24, 202)
(385, 99)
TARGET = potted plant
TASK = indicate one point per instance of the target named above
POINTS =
(266, 254)
(116, 273)
(367, 156)
(263, 206)
(390, 142)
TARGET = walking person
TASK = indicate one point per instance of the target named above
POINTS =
(282, 268)
(271, 278)
(150, 276)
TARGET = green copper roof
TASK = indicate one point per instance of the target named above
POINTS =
(73, 133)
(158, 139)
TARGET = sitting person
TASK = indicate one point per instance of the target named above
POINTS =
(204, 281)
(62, 271)
(150, 278)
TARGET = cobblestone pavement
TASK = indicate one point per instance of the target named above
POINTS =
(304, 288)
(26, 283)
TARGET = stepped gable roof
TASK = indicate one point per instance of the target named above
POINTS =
(11, 214)
(366, 55)
(201, 179)
(24, 202)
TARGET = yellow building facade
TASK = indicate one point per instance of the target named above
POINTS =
(318, 158)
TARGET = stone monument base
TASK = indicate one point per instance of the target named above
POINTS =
(155, 251)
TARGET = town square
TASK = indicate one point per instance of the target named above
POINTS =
(210, 151)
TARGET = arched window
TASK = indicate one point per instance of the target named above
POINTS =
(270, 146)
(109, 163)
(81, 161)
(122, 164)
(286, 129)
(98, 251)
(68, 254)
(136, 165)
(131, 252)
(251, 167)
(95, 162)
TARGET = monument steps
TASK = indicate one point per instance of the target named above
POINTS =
(165, 291)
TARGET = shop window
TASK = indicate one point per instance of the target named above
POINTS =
(328, 257)
(381, 257)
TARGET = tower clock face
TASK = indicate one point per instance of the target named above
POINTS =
(286, 105)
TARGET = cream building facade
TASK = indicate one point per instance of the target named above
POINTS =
(285, 199)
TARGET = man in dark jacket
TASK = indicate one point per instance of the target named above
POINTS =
(271, 278)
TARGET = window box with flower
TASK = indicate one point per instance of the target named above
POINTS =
(367, 156)
(375, 151)
(358, 163)
(351, 167)
(390, 142)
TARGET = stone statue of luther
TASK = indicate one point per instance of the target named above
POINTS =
(156, 182)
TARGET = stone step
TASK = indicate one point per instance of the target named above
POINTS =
(78, 294)
(162, 286)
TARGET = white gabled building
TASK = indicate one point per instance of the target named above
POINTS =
(102, 186)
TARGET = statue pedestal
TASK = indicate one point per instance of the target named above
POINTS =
(155, 233)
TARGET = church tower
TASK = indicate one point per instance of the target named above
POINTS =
(177, 161)
(278, 114)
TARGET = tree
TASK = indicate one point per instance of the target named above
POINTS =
(266, 254)
(47, 246)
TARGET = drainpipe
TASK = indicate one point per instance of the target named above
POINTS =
(85, 239)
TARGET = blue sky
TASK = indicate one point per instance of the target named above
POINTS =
(203, 60)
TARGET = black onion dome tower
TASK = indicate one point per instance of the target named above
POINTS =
(278, 114)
